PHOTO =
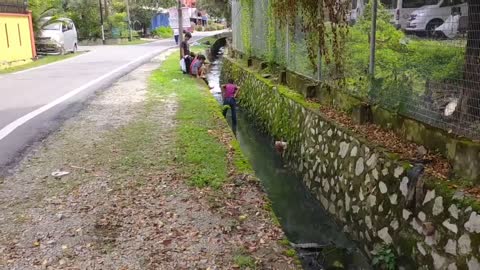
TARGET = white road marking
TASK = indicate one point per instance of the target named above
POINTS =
(4, 132)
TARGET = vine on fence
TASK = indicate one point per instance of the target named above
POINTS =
(323, 21)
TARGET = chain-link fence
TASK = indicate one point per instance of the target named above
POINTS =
(13, 6)
(424, 63)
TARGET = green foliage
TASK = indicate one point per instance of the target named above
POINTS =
(243, 260)
(402, 66)
(163, 32)
(290, 253)
(246, 25)
(385, 259)
(42, 9)
(216, 8)
(85, 14)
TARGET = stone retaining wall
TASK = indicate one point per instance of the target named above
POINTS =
(377, 198)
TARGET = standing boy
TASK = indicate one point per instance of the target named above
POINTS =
(185, 51)
(229, 93)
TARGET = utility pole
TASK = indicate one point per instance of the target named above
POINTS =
(180, 24)
(101, 21)
(373, 39)
(130, 37)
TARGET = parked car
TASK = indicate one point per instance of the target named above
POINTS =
(424, 20)
(57, 36)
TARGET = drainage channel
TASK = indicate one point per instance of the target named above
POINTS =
(319, 241)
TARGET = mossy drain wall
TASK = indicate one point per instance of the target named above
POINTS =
(366, 189)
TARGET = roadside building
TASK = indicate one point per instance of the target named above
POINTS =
(17, 43)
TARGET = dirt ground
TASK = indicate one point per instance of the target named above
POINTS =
(118, 209)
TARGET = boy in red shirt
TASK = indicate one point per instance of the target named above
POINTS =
(229, 94)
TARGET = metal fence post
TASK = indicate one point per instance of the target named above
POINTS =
(287, 46)
(373, 39)
(319, 64)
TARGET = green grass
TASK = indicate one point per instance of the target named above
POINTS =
(243, 260)
(134, 42)
(201, 157)
(40, 62)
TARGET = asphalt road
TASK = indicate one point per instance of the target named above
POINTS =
(35, 102)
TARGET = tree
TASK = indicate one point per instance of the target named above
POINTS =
(86, 15)
(216, 8)
(470, 104)
(42, 9)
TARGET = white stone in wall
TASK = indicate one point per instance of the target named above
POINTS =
(404, 186)
(366, 150)
(398, 171)
(438, 206)
(329, 133)
(439, 262)
(406, 214)
(416, 226)
(375, 174)
(473, 264)
(421, 215)
(343, 149)
(451, 247)
(347, 202)
(394, 224)
(385, 236)
(464, 245)
(317, 179)
(380, 208)
(324, 202)
(452, 227)
(335, 164)
(326, 185)
(360, 195)
(324, 168)
(372, 161)
(421, 248)
(393, 199)
(385, 172)
(429, 196)
(473, 223)
(354, 151)
(320, 138)
(452, 266)
(368, 222)
(355, 209)
(331, 209)
(332, 154)
(359, 167)
(453, 211)
(372, 200)
(312, 131)
(432, 240)
(337, 188)
(367, 179)
(383, 187)
(333, 197)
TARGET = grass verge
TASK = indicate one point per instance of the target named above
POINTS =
(40, 62)
(205, 151)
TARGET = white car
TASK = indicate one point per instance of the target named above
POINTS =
(59, 36)
(427, 18)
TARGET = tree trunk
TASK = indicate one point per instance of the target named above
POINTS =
(470, 105)
(105, 4)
